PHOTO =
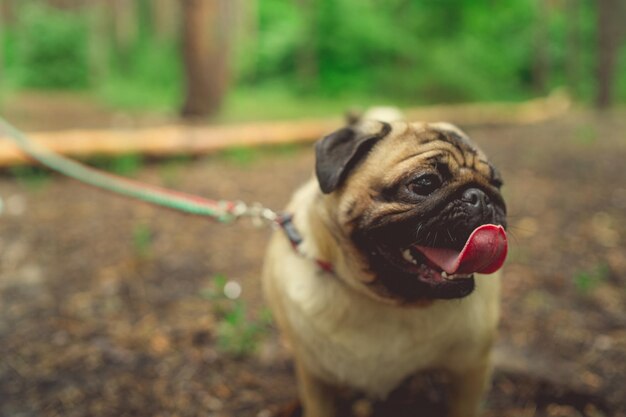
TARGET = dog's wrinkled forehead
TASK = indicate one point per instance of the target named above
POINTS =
(444, 140)
(451, 134)
(437, 134)
(340, 152)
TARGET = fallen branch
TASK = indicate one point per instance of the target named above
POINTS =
(176, 139)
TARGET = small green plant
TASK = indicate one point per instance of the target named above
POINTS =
(127, 164)
(215, 292)
(237, 333)
(142, 240)
(588, 280)
(32, 178)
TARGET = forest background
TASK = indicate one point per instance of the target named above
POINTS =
(275, 58)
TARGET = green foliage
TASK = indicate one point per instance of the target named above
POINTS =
(215, 292)
(149, 75)
(126, 165)
(272, 53)
(8, 78)
(422, 51)
(51, 51)
(237, 333)
(142, 240)
(299, 61)
(588, 280)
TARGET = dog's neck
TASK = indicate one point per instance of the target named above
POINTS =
(286, 223)
(308, 220)
(322, 239)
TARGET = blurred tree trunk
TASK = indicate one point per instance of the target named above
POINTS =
(206, 53)
(573, 47)
(611, 15)
(541, 58)
(125, 27)
(165, 18)
(307, 63)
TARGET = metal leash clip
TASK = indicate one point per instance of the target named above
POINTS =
(255, 211)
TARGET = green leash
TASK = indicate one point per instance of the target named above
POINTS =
(221, 210)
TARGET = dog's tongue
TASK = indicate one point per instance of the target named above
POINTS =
(484, 252)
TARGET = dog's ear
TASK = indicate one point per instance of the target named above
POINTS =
(337, 153)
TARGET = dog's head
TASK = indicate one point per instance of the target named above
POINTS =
(404, 194)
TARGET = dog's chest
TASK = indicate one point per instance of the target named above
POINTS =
(373, 347)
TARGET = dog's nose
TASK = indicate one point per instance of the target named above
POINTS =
(476, 200)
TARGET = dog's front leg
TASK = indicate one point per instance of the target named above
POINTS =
(317, 397)
(467, 389)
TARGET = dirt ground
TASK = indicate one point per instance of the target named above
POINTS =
(113, 308)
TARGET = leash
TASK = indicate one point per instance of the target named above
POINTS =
(221, 210)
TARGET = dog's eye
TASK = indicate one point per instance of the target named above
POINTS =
(424, 184)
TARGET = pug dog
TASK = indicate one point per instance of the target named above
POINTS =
(385, 276)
